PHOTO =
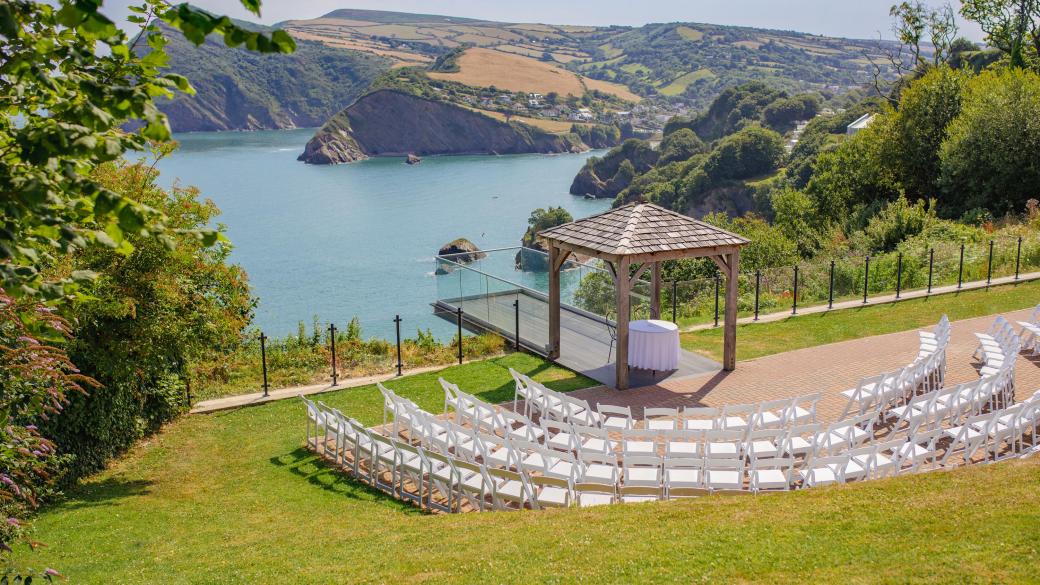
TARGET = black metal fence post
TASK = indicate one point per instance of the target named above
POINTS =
(716, 300)
(263, 359)
(459, 313)
(1018, 257)
(989, 267)
(866, 279)
(758, 286)
(675, 286)
(516, 311)
(332, 340)
(794, 303)
(830, 290)
(960, 269)
(931, 268)
(899, 274)
(397, 326)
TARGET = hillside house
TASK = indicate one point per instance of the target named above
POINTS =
(860, 123)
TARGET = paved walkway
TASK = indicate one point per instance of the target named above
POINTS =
(828, 369)
(877, 300)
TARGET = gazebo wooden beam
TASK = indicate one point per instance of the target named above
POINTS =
(729, 333)
(655, 292)
(623, 294)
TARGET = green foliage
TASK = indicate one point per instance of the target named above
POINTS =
(151, 315)
(798, 218)
(1012, 26)
(989, 159)
(595, 293)
(353, 333)
(543, 219)
(609, 175)
(751, 152)
(732, 109)
(926, 108)
(783, 113)
(899, 220)
(679, 146)
(71, 83)
(597, 135)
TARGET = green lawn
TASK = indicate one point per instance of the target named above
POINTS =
(760, 339)
(234, 497)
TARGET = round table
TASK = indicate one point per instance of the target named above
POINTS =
(653, 345)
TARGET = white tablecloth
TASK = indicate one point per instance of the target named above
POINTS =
(653, 345)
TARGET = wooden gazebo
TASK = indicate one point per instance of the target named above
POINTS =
(632, 239)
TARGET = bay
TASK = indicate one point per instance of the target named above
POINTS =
(360, 239)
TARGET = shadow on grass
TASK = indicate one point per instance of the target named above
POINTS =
(306, 465)
(103, 493)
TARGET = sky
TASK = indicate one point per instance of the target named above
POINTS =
(864, 19)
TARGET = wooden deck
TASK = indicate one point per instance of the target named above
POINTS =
(585, 338)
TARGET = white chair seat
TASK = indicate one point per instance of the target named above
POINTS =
(411, 462)
(561, 441)
(499, 457)
(597, 445)
(768, 418)
(616, 422)
(720, 449)
(512, 491)
(818, 476)
(854, 469)
(562, 469)
(724, 479)
(682, 448)
(527, 433)
(474, 482)
(599, 473)
(798, 445)
(534, 460)
(638, 499)
(735, 422)
(552, 496)
(586, 500)
(660, 425)
(698, 424)
(679, 477)
(642, 476)
(639, 447)
(763, 449)
(768, 479)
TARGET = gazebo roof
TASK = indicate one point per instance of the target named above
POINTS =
(641, 229)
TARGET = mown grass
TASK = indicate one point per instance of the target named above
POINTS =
(234, 497)
(761, 339)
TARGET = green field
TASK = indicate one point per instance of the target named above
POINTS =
(679, 84)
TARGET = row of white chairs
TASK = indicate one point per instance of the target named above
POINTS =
(1030, 332)
(547, 477)
(924, 374)
(546, 403)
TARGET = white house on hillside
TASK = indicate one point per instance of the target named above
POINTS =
(860, 123)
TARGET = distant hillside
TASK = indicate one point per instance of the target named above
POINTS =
(244, 90)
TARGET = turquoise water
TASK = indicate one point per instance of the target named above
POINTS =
(360, 239)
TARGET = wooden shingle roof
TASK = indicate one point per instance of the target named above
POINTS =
(641, 228)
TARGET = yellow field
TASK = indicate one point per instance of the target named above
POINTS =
(679, 84)
(554, 126)
(753, 45)
(486, 67)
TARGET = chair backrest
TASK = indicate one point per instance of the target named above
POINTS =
(641, 491)
(611, 410)
(596, 488)
(660, 412)
(641, 461)
(558, 482)
(683, 463)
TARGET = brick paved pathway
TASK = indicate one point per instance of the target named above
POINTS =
(828, 369)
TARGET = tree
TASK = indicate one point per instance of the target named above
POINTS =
(679, 146)
(542, 219)
(70, 82)
(750, 152)
(989, 159)
(926, 108)
(1009, 25)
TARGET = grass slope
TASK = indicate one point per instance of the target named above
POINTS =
(233, 497)
(760, 339)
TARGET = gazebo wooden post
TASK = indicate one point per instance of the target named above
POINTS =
(623, 290)
(554, 302)
(729, 334)
(655, 292)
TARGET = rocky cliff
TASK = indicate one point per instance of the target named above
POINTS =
(239, 89)
(389, 122)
